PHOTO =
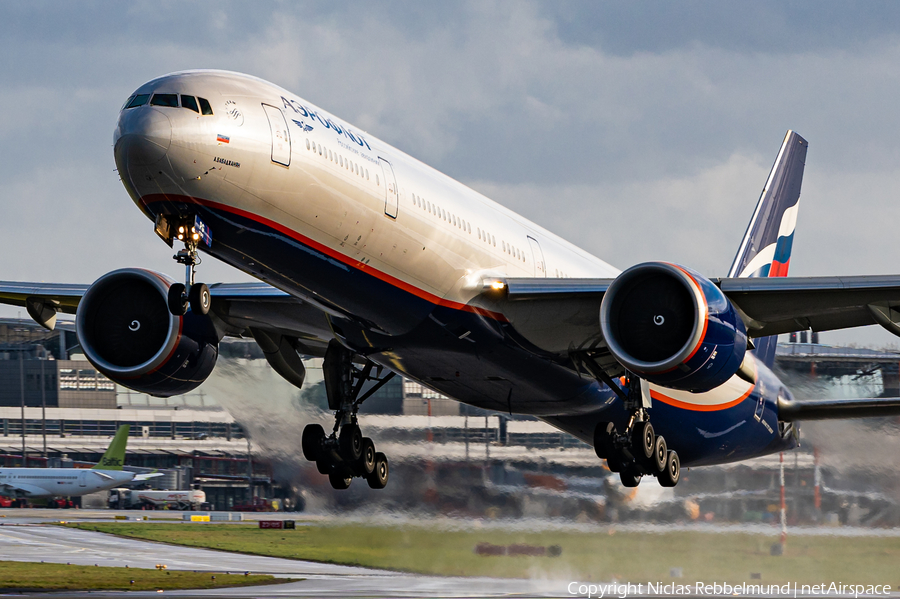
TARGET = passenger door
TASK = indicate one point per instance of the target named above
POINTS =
(391, 193)
(540, 269)
(82, 479)
(281, 136)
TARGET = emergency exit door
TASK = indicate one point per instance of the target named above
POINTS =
(391, 193)
(540, 268)
(281, 137)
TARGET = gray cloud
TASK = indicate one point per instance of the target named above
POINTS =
(638, 130)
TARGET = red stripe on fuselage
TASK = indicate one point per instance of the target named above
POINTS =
(383, 276)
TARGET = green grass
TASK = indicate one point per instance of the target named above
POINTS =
(720, 557)
(30, 575)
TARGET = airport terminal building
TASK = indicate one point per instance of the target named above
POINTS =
(238, 437)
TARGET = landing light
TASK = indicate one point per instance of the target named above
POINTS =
(498, 285)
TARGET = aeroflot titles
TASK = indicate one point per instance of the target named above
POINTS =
(327, 123)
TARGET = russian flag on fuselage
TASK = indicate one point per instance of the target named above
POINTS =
(765, 250)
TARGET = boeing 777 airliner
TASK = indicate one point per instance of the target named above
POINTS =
(383, 266)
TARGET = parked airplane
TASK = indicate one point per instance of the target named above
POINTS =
(382, 265)
(73, 482)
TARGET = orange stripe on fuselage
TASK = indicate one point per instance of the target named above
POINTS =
(699, 407)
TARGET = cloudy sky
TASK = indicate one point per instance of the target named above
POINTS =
(638, 130)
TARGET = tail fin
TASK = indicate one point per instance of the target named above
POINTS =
(114, 457)
(765, 250)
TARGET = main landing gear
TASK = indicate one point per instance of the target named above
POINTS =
(345, 453)
(189, 293)
(637, 451)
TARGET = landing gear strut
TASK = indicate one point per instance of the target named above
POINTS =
(189, 293)
(638, 450)
(345, 453)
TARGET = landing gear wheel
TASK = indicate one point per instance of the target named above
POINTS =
(339, 481)
(603, 439)
(178, 304)
(671, 475)
(600, 436)
(379, 477)
(630, 477)
(642, 442)
(365, 465)
(660, 453)
(323, 466)
(199, 298)
(312, 441)
(350, 443)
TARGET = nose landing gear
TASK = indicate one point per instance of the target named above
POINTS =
(191, 232)
(345, 453)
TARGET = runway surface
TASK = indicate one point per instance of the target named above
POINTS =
(54, 544)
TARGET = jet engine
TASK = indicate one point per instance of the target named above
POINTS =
(128, 333)
(673, 327)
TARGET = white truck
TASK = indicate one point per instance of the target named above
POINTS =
(136, 499)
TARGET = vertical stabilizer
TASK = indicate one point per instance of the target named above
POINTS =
(765, 250)
(114, 457)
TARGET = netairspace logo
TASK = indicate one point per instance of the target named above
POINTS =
(621, 590)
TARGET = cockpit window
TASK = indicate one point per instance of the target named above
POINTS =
(138, 100)
(189, 102)
(170, 100)
(205, 108)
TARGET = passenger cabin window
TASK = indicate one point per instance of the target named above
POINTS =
(169, 100)
(190, 103)
(138, 100)
(205, 108)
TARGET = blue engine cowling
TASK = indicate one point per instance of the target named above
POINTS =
(673, 327)
(127, 332)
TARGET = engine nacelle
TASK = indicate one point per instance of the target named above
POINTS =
(128, 333)
(673, 327)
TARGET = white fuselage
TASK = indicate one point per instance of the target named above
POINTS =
(55, 482)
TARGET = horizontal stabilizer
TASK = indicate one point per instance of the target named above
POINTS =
(827, 409)
(140, 477)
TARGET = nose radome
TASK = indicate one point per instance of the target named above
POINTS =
(142, 136)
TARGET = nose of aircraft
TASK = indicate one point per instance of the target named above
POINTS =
(142, 137)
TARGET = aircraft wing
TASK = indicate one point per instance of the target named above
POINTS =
(22, 490)
(562, 315)
(239, 307)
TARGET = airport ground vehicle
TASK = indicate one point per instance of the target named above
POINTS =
(138, 499)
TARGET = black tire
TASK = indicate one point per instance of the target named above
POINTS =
(642, 438)
(311, 441)
(630, 477)
(339, 481)
(199, 298)
(350, 443)
(660, 454)
(601, 437)
(323, 466)
(177, 303)
(379, 477)
(365, 465)
(672, 474)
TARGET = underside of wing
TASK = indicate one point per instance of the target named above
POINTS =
(771, 306)
(562, 315)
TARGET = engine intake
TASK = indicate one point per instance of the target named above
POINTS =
(127, 332)
(673, 327)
